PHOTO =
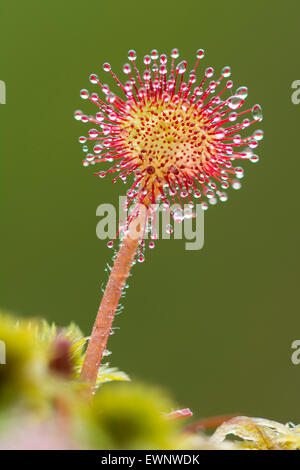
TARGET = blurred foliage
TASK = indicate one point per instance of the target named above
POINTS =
(26, 362)
(259, 434)
(132, 417)
(42, 405)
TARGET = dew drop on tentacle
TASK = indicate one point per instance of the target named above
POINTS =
(78, 114)
(147, 59)
(126, 69)
(232, 117)
(93, 133)
(97, 148)
(242, 92)
(258, 134)
(90, 157)
(154, 54)
(219, 133)
(106, 353)
(84, 94)
(253, 143)
(257, 113)
(106, 67)
(225, 185)
(234, 102)
(223, 197)
(226, 71)
(132, 55)
(237, 138)
(254, 158)
(236, 184)
(246, 123)
(239, 172)
(209, 72)
(163, 59)
(181, 67)
(141, 258)
(84, 118)
(200, 54)
(94, 78)
(175, 53)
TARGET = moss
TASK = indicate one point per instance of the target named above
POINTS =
(132, 417)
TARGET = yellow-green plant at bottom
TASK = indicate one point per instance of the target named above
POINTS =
(42, 407)
(133, 416)
(259, 434)
(26, 362)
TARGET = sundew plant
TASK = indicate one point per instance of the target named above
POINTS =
(178, 137)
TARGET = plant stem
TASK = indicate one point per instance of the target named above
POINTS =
(109, 304)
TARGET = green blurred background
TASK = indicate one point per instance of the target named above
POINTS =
(215, 326)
